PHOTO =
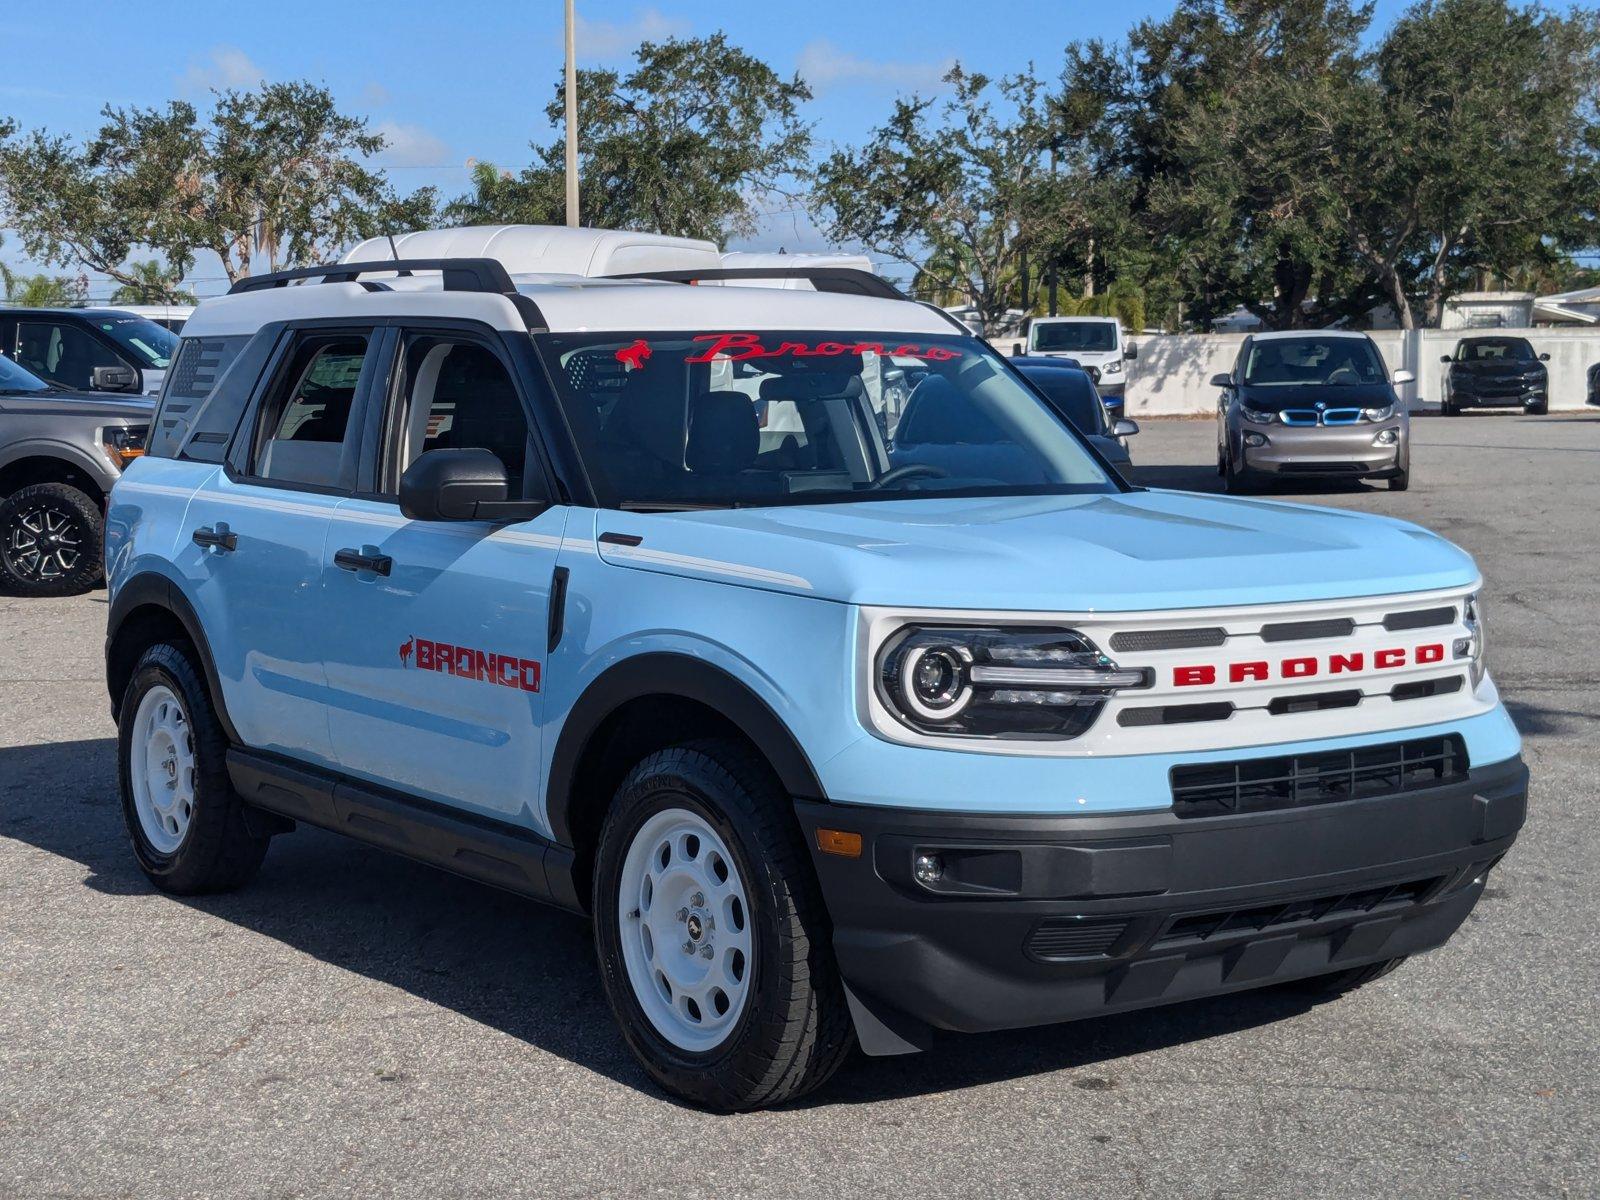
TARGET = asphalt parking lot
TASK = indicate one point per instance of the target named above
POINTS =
(353, 1024)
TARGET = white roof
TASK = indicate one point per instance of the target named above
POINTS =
(549, 249)
(1280, 335)
(170, 312)
(1058, 320)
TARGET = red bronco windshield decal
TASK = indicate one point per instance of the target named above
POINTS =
(736, 347)
(507, 670)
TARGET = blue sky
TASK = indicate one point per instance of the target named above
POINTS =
(452, 82)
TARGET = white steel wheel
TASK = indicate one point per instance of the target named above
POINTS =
(162, 769)
(684, 920)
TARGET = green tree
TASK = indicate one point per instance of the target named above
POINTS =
(277, 173)
(945, 188)
(157, 284)
(686, 143)
(1468, 142)
(41, 291)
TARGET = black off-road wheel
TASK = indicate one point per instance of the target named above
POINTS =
(49, 541)
(188, 826)
(713, 941)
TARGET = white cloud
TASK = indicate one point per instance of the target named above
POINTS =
(824, 65)
(223, 67)
(375, 95)
(410, 146)
(598, 40)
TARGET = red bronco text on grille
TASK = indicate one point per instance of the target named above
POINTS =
(1306, 667)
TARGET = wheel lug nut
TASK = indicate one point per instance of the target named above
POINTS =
(688, 947)
(683, 914)
(697, 899)
(706, 951)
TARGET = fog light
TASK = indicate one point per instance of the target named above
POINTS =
(928, 868)
(1255, 439)
(1387, 438)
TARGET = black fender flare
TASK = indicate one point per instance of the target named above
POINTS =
(152, 589)
(670, 674)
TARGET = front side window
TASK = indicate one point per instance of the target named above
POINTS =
(727, 418)
(1093, 337)
(1495, 350)
(17, 380)
(455, 394)
(1312, 361)
(148, 344)
(305, 416)
(63, 353)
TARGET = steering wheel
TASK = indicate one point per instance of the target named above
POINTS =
(908, 471)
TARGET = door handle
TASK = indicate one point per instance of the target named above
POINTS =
(351, 559)
(221, 538)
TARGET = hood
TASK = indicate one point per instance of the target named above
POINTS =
(78, 404)
(1118, 553)
(1274, 399)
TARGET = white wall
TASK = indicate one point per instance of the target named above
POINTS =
(1172, 374)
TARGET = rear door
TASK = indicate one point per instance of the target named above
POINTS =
(435, 659)
(257, 529)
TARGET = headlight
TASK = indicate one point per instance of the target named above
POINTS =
(999, 683)
(1378, 414)
(1114, 367)
(1257, 416)
(124, 443)
(1470, 649)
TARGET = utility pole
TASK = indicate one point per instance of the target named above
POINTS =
(572, 120)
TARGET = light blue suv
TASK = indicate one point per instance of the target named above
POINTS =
(787, 633)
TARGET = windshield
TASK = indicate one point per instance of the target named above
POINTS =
(152, 345)
(1317, 361)
(1495, 350)
(1093, 336)
(687, 420)
(1072, 395)
(19, 379)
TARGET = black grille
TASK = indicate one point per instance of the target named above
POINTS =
(1420, 618)
(1174, 714)
(1301, 780)
(1201, 927)
(1295, 631)
(1168, 639)
(1068, 937)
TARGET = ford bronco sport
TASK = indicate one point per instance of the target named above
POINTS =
(843, 721)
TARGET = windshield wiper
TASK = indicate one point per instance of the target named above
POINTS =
(673, 506)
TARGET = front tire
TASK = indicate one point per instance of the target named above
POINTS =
(186, 822)
(713, 942)
(49, 541)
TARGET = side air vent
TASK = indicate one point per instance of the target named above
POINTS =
(1420, 618)
(1068, 938)
(1299, 631)
(1168, 639)
(1174, 714)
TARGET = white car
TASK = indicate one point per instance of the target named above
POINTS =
(168, 316)
(1097, 344)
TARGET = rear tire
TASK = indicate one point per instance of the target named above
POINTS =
(186, 822)
(49, 541)
(720, 1027)
(1540, 410)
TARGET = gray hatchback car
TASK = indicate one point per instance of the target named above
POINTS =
(1311, 405)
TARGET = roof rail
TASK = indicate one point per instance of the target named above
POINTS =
(460, 274)
(850, 281)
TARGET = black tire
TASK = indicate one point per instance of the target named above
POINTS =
(1238, 480)
(1337, 983)
(218, 852)
(1540, 410)
(49, 541)
(1446, 408)
(1400, 482)
(795, 1029)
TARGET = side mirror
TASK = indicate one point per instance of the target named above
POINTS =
(1404, 377)
(1222, 381)
(1124, 428)
(461, 485)
(1131, 353)
(1444, 358)
(1545, 357)
(114, 379)
(1016, 349)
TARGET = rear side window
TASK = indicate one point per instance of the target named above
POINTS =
(304, 418)
(192, 403)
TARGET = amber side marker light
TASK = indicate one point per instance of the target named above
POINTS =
(837, 841)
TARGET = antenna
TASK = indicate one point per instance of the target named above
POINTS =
(394, 251)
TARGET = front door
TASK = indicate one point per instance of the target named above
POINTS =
(438, 629)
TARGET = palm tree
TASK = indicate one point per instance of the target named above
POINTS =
(154, 284)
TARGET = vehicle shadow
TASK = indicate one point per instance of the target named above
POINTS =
(509, 963)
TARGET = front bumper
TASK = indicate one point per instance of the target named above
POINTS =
(1061, 917)
(1326, 450)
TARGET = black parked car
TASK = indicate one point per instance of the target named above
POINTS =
(1070, 390)
(1496, 372)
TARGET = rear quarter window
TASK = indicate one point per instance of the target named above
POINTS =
(194, 420)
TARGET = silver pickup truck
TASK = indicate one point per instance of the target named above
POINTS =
(60, 452)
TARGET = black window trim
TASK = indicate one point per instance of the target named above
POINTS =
(238, 466)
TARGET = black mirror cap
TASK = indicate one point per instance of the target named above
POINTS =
(1545, 357)
(1444, 358)
(114, 379)
(1131, 353)
(449, 485)
(1124, 427)
(1222, 381)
